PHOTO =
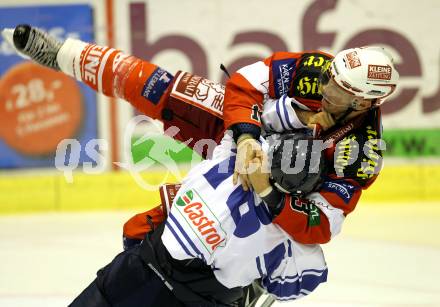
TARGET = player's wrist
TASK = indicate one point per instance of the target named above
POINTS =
(274, 199)
(243, 137)
(265, 192)
(244, 140)
(260, 181)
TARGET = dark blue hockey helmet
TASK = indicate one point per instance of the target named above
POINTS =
(296, 161)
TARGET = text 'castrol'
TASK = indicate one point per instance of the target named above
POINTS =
(201, 219)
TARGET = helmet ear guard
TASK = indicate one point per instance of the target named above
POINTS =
(296, 164)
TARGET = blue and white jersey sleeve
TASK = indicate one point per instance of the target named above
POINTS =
(280, 116)
(291, 270)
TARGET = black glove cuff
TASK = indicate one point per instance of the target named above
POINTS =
(275, 201)
(242, 128)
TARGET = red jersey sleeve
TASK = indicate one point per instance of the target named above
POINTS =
(319, 216)
(244, 94)
(116, 74)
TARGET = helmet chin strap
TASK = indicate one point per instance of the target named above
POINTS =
(344, 115)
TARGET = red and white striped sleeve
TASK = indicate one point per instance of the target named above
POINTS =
(245, 93)
(113, 73)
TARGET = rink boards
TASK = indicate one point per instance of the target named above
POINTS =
(48, 191)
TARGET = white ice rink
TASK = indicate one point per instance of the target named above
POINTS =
(386, 256)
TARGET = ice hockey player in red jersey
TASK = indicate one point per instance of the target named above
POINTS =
(287, 91)
(340, 95)
(345, 92)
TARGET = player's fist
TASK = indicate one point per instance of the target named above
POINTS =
(247, 148)
(324, 119)
(259, 172)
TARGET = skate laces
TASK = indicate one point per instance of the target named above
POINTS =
(42, 48)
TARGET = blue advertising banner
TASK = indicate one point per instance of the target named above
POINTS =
(38, 106)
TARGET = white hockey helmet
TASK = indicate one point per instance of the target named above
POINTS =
(366, 72)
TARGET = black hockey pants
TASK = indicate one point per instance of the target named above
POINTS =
(147, 276)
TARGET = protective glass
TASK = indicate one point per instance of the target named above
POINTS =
(333, 93)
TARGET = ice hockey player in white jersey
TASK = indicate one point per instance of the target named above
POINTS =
(231, 230)
(217, 240)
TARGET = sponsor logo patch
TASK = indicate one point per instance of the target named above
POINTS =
(282, 75)
(379, 72)
(202, 220)
(353, 59)
(156, 85)
(343, 190)
(91, 59)
(200, 92)
(307, 74)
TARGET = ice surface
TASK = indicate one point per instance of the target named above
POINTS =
(385, 256)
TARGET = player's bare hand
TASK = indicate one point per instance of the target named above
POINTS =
(258, 172)
(247, 149)
(324, 119)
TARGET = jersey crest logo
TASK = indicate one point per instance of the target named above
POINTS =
(282, 71)
(199, 92)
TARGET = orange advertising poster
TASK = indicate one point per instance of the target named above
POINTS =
(40, 107)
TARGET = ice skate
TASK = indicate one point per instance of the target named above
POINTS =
(38, 45)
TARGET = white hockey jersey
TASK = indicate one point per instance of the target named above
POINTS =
(231, 230)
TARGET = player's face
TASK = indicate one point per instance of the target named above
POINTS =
(336, 100)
